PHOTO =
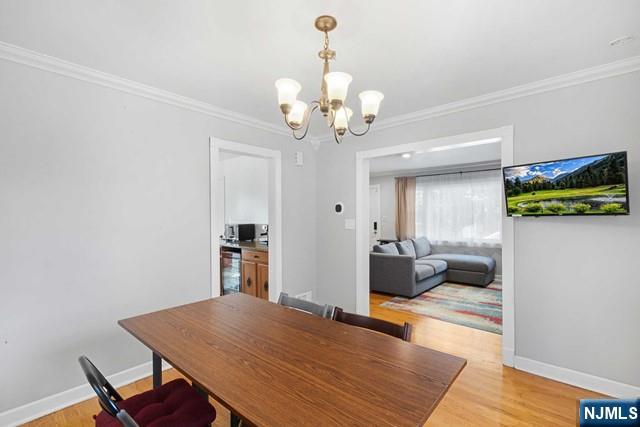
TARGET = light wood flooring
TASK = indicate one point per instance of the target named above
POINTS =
(485, 394)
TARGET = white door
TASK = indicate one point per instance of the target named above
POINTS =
(374, 215)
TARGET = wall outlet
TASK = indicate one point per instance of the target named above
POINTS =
(307, 296)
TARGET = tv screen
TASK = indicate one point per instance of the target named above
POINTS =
(589, 185)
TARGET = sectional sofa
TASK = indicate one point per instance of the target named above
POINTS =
(408, 268)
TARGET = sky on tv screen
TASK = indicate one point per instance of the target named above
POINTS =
(549, 170)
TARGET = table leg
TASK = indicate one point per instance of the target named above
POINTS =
(235, 420)
(157, 370)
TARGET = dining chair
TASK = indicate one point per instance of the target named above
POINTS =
(175, 403)
(379, 325)
(325, 310)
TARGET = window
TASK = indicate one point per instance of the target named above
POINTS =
(460, 208)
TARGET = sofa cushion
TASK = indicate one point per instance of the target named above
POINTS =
(424, 271)
(389, 248)
(477, 263)
(406, 248)
(438, 265)
(421, 246)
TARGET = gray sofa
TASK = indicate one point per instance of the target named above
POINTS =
(408, 268)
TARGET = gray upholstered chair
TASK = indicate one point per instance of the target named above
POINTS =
(306, 306)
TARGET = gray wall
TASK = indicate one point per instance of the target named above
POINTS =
(576, 292)
(104, 214)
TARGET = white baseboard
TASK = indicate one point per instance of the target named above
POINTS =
(576, 378)
(507, 356)
(55, 402)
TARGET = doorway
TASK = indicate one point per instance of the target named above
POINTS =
(218, 150)
(502, 135)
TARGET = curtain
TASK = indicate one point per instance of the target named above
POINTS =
(405, 207)
(460, 208)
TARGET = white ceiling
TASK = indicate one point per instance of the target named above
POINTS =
(420, 53)
(461, 156)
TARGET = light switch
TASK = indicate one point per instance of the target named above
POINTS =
(350, 224)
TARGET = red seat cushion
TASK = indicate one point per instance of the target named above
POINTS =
(174, 404)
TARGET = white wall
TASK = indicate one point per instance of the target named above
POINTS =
(576, 293)
(246, 190)
(104, 201)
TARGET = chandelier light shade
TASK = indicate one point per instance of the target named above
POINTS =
(334, 87)
(370, 100)
(341, 121)
(288, 90)
(297, 113)
(337, 86)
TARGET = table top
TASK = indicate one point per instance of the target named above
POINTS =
(276, 366)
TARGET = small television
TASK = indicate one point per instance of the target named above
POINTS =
(588, 185)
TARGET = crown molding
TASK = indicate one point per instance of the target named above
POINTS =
(38, 60)
(52, 64)
(612, 69)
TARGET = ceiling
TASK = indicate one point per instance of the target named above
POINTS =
(460, 156)
(420, 53)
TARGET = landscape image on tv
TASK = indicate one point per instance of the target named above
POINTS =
(592, 185)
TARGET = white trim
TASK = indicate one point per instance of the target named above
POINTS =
(612, 69)
(578, 379)
(507, 356)
(275, 211)
(38, 60)
(508, 259)
(362, 234)
(55, 402)
(504, 136)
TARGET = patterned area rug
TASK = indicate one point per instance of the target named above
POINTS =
(475, 307)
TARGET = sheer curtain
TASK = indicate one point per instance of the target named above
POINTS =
(460, 208)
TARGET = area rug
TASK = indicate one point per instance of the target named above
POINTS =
(475, 307)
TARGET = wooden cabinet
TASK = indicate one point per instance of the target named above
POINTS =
(263, 281)
(255, 273)
(249, 278)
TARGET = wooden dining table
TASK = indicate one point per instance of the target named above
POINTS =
(275, 366)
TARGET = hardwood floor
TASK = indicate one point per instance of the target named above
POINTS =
(485, 394)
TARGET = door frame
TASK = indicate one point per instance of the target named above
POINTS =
(275, 210)
(504, 135)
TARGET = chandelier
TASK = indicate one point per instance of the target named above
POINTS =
(333, 93)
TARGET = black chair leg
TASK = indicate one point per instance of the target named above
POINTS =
(235, 420)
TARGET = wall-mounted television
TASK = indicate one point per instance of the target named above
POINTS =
(588, 185)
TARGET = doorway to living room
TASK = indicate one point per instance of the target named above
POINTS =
(451, 189)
